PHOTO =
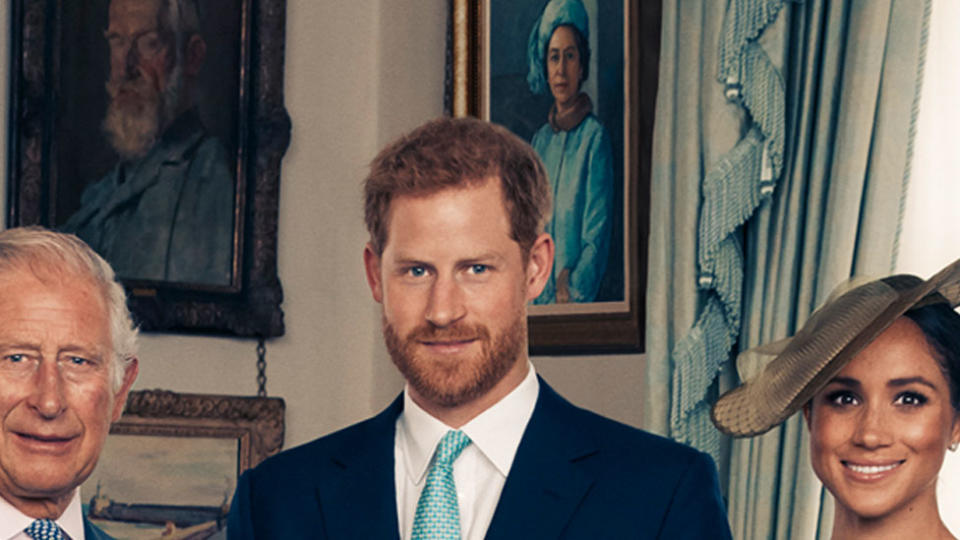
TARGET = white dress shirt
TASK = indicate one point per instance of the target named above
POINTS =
(13, 521)
(479, 472)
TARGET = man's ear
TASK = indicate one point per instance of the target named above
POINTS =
(539, 265)
(371, 263)
(807, 413)
(195, 54)
(130, 371)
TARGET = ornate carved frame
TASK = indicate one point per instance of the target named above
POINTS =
(576, 331)
(251, 305)
(256, 423)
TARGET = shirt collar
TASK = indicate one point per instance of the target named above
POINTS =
(72, 519)
(13, 521)
(496, 432)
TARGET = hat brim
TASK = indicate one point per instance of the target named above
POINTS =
(829, 339)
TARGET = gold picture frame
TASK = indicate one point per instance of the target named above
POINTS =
(171, 462)
(486, 64)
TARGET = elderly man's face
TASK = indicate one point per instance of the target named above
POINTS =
(139, 48)
(145, 80)
(56, 397)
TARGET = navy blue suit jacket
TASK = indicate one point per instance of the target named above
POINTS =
(575, 475)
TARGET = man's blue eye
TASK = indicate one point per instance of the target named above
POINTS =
(417, 271)
(478, 268)
(15, 358)
(76, 360)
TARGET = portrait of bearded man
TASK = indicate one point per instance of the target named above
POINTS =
(165, 210)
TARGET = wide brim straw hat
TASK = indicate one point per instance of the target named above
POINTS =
(781, 377)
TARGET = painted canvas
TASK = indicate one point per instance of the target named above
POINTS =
(557, 80)
(150, 487)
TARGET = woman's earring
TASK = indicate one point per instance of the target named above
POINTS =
(953, 447)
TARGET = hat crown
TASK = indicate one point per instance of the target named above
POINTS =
(825, 334)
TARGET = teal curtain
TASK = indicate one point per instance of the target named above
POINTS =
(695, 126)
(718, 147)
(781, 151)
(852, 72)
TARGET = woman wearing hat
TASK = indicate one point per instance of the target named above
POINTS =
(877, 373)
(575, 149)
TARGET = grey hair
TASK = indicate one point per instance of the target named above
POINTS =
(34, 249)
(180, 16)
(182, 19)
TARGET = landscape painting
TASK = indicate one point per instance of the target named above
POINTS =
(156, 487)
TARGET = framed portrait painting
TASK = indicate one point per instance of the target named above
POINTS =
(171, 463)
(577, 79)
(153, 130)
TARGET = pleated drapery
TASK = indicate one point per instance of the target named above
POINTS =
(849, 73)
(718, 148)
(695, 126)
(853, 71)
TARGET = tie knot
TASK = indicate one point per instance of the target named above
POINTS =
(450, 446)
(44, 529)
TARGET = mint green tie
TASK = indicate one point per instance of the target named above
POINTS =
(438, 515)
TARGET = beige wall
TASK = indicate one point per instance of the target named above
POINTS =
(357, 74)
(930, 233)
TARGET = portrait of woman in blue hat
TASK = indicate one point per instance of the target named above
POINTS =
(575, 149)
(564, 74)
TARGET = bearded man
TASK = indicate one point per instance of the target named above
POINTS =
(477, 446)
(165, 211)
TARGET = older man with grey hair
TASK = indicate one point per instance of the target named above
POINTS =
(67, 362)
(165, 211)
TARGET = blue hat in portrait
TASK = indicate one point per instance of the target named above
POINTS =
(556, 13)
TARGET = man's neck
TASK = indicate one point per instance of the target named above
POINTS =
(458, 415)
(41, 508)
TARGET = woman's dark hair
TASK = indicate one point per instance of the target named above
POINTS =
(941, 327)
(583, 49)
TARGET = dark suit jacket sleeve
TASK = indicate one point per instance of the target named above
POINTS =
(696, 509)
(338, 486)
(239, 526)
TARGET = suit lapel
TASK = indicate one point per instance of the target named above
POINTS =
(544, 486)
(360, 500)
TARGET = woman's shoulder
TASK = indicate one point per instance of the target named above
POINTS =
(590, 131)
(592, 126)
(542, 137)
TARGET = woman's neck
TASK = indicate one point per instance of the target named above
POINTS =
(569, 118)
(567, 106)
(918, 519)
